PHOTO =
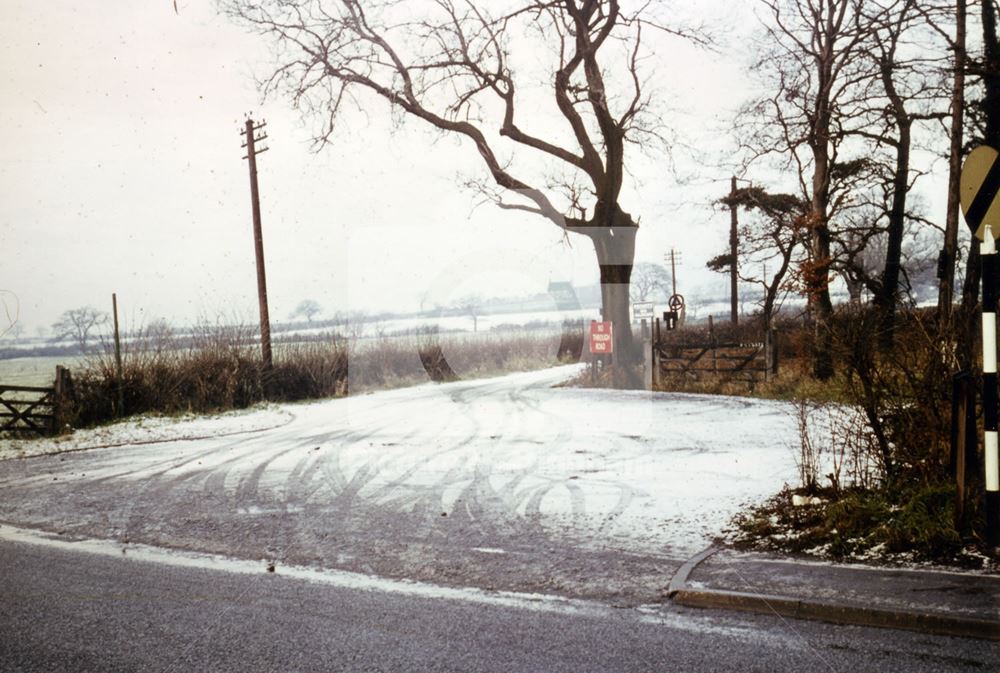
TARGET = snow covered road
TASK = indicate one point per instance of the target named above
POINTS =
(507, 483)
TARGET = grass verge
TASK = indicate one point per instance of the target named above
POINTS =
(220, 369)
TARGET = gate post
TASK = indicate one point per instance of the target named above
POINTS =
(767, 355)
(62, 399)
(959, 433)
(656, 353)
(711, 341)
(647, 357)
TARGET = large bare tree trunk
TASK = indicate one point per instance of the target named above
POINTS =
(888, 290)
(818, 277)
(615, 249)
(991, 74)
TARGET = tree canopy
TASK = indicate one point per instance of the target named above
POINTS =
(551, 95)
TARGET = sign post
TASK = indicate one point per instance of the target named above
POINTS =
(602, 343)
(988, 252)
(642, 310)
(978, 189)
(601, 338)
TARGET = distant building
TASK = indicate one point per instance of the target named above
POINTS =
(564, 295)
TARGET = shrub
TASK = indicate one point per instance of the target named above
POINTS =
(925, 524)
(218, 367)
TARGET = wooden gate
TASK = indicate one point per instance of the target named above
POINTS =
(749, 361)
(33, 409)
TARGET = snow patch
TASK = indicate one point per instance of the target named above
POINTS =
(150, 429)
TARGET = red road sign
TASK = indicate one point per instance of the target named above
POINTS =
(601, 341)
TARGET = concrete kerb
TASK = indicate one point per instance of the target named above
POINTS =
(856, 615)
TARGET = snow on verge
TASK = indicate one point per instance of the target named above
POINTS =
(151, 429)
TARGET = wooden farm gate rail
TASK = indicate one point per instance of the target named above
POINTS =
(33, 409)
(752, 361)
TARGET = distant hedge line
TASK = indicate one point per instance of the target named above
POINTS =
(221, 369)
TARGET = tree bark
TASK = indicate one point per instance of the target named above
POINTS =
(991, 75)
(818, 277)
(615, 250)
(889, 287)
(946, 289)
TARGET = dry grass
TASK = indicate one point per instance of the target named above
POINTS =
(219, 368)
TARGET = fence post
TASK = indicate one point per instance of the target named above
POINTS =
(62, 394)
(991, 467)
(711, 343)
(959, 416)
(118, 359)
(647, 357)
(775, 353)
(767, 355)
(656, 353)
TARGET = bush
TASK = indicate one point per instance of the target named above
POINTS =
(879, 451)
(219, 367)
(925, 524)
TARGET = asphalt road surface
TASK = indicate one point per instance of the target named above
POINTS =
(71, 611)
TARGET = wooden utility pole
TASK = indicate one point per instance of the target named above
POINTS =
(258, 239)
(733, 222)
(673, 271)
(118, 357)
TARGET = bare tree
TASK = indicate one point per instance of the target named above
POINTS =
(449, 64)
(648, 280)
(10, 314)
(810, 69)
(956, 12)
(472, 306)
(307, 308)
(773, 236)
(907, 90)
(158, 336)
(78, 324)
(986, 110)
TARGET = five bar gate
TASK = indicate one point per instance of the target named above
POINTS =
(34, 409)
(674, 354)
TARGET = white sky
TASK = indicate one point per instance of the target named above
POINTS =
(121, 171)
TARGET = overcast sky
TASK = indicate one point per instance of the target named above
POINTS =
(121, 171)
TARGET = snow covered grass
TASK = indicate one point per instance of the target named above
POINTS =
(148, 429)
(862, 526)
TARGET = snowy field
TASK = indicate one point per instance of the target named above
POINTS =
(35, 371)
(453, 323)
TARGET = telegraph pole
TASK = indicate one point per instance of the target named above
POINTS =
(733, 222)
(265, 322)
(673, 271)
